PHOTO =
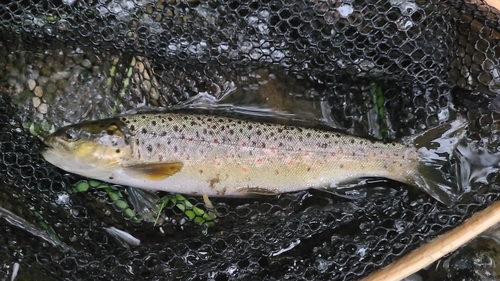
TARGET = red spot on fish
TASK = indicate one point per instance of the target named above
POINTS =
(258, 161)
(340, 150)
(387, 155)
(341, 166)
(306, 153)
(272, 150)
(216, 141)
(190, 139)
(332, 154)
(244, 170)
(289, 162)
(373, 154)
(243, 143)
(217, 163)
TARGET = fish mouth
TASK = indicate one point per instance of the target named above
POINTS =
(52, 142)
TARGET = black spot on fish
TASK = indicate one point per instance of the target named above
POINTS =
(193, 123)
(117, 151)
(153, 123)
(137, 141)
(144, 130)
(231, 132)
(280, 130)
(204, 131)
(149, 148)
(327, 136)
(186, 118)
(250, 127)
(175, 148)
(176, 128)
(132, 127)
(259, 132)
(308, 135)
(111, 178)
(143, 116)
(169, 118)
(163, 133)
(353, 141)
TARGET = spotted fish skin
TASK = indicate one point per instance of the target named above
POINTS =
(220, 156)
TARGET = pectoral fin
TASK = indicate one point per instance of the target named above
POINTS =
(155, 172)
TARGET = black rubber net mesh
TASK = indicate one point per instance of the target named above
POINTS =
(381, 69)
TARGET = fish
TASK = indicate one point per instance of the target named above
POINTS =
(198, 154)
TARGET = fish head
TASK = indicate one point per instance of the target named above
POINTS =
(88, 145)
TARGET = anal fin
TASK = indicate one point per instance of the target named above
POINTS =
(256, 191)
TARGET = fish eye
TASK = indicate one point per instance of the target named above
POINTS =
(71, 134)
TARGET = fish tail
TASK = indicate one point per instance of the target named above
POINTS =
(437, 172)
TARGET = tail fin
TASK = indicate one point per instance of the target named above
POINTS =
(437, 174)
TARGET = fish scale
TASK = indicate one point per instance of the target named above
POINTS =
(220, 156)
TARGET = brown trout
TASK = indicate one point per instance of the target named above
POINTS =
(219, 156)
